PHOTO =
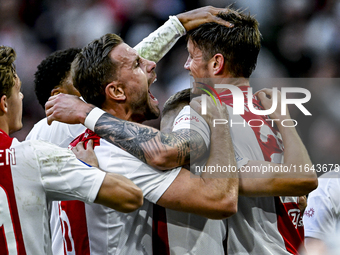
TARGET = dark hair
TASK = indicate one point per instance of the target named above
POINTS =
(182, 97)
(93, 68)
(52, 71)
(239, 45)
(7, 70)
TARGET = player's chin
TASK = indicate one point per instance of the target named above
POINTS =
(154, 112)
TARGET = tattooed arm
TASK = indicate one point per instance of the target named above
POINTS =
(160, 150)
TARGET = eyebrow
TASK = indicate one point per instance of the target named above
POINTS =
(136, 60)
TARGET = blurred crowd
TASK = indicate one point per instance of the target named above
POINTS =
(301, 42)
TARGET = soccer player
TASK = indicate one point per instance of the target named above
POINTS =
(269, 223)
(34, 173)
(263, 225)
(322, 216)
(123, 90)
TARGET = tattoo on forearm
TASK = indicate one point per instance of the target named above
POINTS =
(145, 142)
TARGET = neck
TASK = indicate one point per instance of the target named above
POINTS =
(124, 113)
(237, 82)
(3, 125)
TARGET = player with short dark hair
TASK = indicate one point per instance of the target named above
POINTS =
(34, 173)
(52, 76)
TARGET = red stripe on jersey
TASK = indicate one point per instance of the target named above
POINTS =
(288, 220)
(160, 241)
(73, 214)
(85, 137)
(9, 216)
(74, 227)
(266, 140)
(292, 234)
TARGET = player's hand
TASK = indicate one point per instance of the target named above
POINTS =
(86, 155)
(266, 98)
(214, 111)
(192, 19)
(302, 200)
(66, 108)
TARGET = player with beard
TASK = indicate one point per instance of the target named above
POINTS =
(34, 173)
(122, 90)
(214, 54)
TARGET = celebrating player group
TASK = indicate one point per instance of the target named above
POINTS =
(91, 179)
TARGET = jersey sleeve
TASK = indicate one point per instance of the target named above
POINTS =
(321, 216)
(58, 133)
(159, 42)
(64, 177)
(153, 182)
(190, 119)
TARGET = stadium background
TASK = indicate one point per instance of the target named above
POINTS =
(301, 39)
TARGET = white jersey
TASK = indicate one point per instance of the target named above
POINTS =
(262, 225)
(58, 133)
(154, 47)
(62, 135)
(189, 233)
(322, 214)
(95, 229)
(33, 173)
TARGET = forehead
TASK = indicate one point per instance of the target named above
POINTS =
(17, 82)
(192, 48)
(124, 54)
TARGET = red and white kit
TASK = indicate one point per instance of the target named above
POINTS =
(262, 225)
(33, 173)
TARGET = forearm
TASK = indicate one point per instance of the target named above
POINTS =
(159, 42)
(295, 152)
(119, 193)
(222, 181)
(160, 150)
(289, 178)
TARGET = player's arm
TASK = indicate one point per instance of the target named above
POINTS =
(64, 177)
(116, 191)
(213, 194)
(159, 42)
(157, 149)
(281, 183)
(119, 193)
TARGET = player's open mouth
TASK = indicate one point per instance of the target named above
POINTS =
(152, 97)
(150, 94)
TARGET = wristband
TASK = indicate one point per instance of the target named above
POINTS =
(92, 118)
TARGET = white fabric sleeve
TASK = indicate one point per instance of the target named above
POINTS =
(64, 177)
(159, 42)
(188, 118)
(92, 118)
(322, 214)
(151, 181)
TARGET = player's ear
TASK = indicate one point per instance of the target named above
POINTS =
(3, 104)
(57, 90)
(218, 64)
(115, 91)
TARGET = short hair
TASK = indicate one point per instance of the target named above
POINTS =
(239, 45)
(93, 68)
(7, 70)
(182, 97)
(52, 71)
